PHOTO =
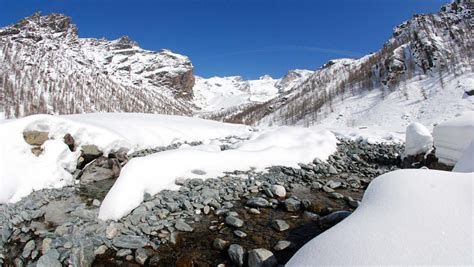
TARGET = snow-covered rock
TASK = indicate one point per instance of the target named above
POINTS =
(21, 171)
(452, 138)
(407, 217)
(466, 162)
(418, 139)
(153, 173)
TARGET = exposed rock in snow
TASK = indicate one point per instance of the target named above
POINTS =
(452, 138)
(418, 139)
(403, 211)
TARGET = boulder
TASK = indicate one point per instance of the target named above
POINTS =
(100, 169)
(35, 138)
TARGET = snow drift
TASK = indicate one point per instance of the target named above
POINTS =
(151, 174)
(21, 172)
(451, 138)
(407, 217)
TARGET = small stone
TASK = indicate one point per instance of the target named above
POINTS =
(18, 262)
(333, 184)
(328, 189)
(46, 245)
(257, 202)
(48, 260)
(332, 170)
(254, 211)
(281, 245)
(280, 225)
(182, 226)
(111, 232)
(67, 245)
(28, 248)
(279, 191)
(333, 218)
(234, 221)
(155, 260)
(219, 244)
(292, 204)
(261, 258)
(141, 256)
(35, 138)
(129, 241)
(236, 254)
(336, 195)
(100, 250)
(123, 253)
(206, 209)
(129, 257)
(240, 234)
(96, 203)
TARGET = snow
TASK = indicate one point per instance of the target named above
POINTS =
(21, 172)
(452, 138)
(418, 139)
(466, 162)
(407, 217)
(153, 173)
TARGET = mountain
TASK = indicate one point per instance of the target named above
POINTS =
(47, 68)
(218, 97)
(421, 73)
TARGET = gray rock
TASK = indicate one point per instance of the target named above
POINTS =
(123, 253)
(111, 231)
(100, 250)
(155, 260)
(261, 258)
(236, 254)
(46, 245)
(100, 169)
(141, 255)
(240, 233)
(333, 184)
(332, 170)
(18, 262)
(292, 204)
(254, 211)
(281, 245)
(129, 241)
(280, 225)
(48, 260)
(336, 195)
(28, 248)
(83, 254)
(182, 226)
(279, 191)
(234, 221)
(257, 202)
(219, 244)
(328, 189)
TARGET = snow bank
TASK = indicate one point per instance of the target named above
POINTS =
(283, 146)
(418, 139)
(21, 172)
(466, 162)
(451, 138)
(407, 217)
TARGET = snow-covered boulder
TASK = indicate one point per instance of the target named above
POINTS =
(453, 137)
(466, 162)
(407, 217)
(418, 139)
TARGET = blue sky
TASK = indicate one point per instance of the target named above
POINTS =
(237, 37)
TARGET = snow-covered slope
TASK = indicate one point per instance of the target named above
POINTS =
(420, 74)
(216, 96)
(47, 68)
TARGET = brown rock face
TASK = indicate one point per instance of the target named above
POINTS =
(185, 83)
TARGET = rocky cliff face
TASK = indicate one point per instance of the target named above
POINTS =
(47, 68)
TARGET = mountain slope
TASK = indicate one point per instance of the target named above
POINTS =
(47, 68)
(428, 58)
(222, 96)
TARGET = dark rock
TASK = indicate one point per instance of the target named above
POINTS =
(292, 204)
(333, 218)
(219, 244)
(236, 254)
(257, 202)
(69, 141)
(234, 221)
(100, 169)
